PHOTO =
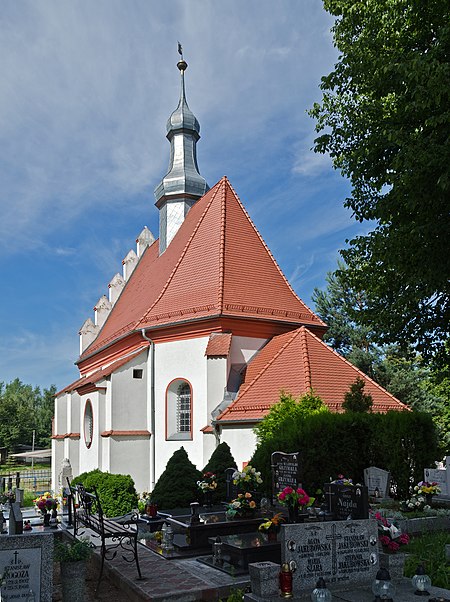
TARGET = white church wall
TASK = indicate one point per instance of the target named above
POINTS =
(242, 442)
(209, 445)
(217, 374)
(57, 458)
(74, 413)
(60, 424)
(244, 348)
(131, 456)
(180, 360)
(129, 396)
(91, 457)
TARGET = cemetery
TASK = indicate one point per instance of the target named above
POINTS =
(349, 542)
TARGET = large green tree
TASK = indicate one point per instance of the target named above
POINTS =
(24, 409)
(385, 121)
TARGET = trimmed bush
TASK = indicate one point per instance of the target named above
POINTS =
(116, 491)
(177, 486)
(220, 460)
(330, 444)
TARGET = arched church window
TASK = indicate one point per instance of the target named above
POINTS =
(88, 423)
(179, 410)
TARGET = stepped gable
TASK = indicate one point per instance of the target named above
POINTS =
(295, 362)
(216, 265)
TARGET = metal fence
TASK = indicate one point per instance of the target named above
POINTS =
(36, 481)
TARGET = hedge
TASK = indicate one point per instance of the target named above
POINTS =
(330, 444)
(116, 491)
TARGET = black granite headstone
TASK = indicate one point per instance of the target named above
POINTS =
(285, 472)
(347, 501)
(232, 490)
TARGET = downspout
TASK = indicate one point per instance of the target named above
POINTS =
(152, 409)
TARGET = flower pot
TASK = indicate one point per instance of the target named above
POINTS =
(47, 519)
(295, 515)
(207, 499)
(73, 580)
(272, 535)
(429, 498)
(394, 563)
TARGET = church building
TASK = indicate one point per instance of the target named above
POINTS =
(195, 339)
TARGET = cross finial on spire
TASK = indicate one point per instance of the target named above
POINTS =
(182, 65)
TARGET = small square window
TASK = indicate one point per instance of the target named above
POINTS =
(137, 373)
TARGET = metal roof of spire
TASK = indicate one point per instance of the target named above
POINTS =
(183, 131)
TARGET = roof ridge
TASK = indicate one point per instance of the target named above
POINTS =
(403, 405)
(267, 365)
(306, 362)
(271, 256)
(222, 246)
(180, 259)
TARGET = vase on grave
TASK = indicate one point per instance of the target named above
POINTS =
(47, 517)
(207, 499)
(394, 563)
(296, 514)
(429, 499)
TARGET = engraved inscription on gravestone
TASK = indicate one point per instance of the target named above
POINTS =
(377, 479)
(439, 476)
(23, 571)
(285, 472)
(347, 501)
(343, 553)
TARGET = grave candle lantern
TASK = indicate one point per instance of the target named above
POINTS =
(286, 581)
(382, 587)
(421, 581)
(321, 593)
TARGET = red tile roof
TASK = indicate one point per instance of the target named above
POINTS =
(216, 265)
(218, 344)
(98, 375)
(295, 362)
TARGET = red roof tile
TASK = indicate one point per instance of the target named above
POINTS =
(295, 362)
(216, 265)
(218, 344)
(96, 376)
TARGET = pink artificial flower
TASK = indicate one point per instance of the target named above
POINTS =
(282, 496)
(404, 539)
(288, 490)
(378, 516)
(304, 500)
(393, 546)
(340, 476)
(385, 540)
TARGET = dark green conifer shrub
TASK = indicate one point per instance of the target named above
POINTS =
(116, 491)
(355, 400)
(177, 486)
(220, 460)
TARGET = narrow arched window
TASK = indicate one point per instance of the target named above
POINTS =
(88, 423)
(179, 410)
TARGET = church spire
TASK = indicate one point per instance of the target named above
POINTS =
(183, 184)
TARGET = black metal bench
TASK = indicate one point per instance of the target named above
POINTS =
(118, 533)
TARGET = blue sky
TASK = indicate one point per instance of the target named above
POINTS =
(87, 87)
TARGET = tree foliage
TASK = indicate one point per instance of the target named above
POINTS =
(385, 121)
(355, 400)
(289, 407)
(220, 460)
(24, 409)
(177, 486)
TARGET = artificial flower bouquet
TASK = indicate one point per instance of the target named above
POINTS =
(294, 497)
(341, 480)
(243, 504)
(46, 503)
(426, 488)
(389, 535)
(272, 524)
(209, 482)
(8, 497)
(248, 478)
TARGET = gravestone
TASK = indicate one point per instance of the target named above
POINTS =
(345, 554)
(285, 472)
(440, 475)
(15, 519)
(28, 562)
(347, 501)
(264, 579)
(377, 479)
(232, 490)
(66, 473)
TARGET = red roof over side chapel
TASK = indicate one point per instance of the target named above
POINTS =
(296, 362)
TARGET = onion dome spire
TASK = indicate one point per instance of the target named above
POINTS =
(183, 184)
